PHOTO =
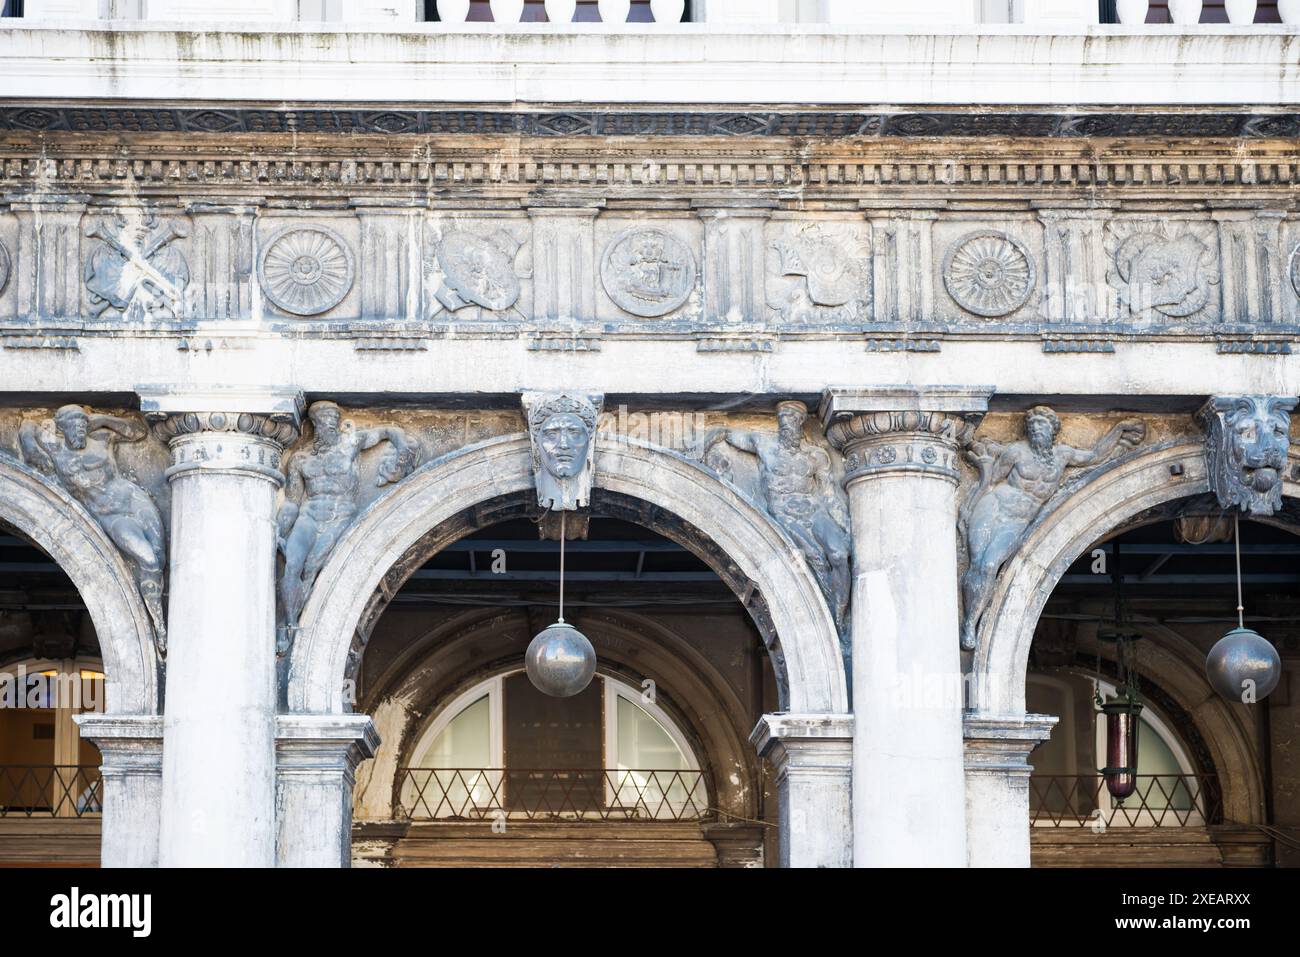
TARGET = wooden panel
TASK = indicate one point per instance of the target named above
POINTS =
(1151, 847)
(554, 845)
(42, 842)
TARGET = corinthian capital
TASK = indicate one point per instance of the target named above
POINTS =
(901, 429)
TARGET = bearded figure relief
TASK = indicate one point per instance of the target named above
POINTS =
(1016, 480)
(1247, 440)
(1163, 269)
(797, 487)
(79, 451)
(321, 495)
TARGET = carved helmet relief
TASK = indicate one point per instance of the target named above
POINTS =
(989, 273)
(831, 268)
(1163, 268)
(477, 270)
(306, 270)
(648, 272)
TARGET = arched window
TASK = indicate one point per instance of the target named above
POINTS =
(502, 748)
(1067, 787)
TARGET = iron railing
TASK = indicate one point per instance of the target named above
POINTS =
(478, 794)
(1160, 800)
(50, 790)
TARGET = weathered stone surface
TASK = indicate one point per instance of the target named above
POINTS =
(1247, 439)
(1015, 481)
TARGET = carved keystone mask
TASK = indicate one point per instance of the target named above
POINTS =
(1247, 439)
(561, 427)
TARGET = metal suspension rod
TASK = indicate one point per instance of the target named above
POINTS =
(562, 538)
(1236, 543)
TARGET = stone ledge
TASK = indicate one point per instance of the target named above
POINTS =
(912, 64)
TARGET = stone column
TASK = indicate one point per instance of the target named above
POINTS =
(901, 474)
(812, 756)
(997, 786)
(218, 797)
(131, 788)
(316, 762)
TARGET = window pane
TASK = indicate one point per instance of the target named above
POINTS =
(643, 743)
(642, 781)
(465, 745)
(1168, 789)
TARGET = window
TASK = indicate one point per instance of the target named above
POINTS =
(11, 8)
(504, 747)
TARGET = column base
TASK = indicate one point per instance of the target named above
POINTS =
(316, 757)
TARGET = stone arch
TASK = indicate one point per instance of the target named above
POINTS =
(56, 522)
(805, 652)
(1056, 541)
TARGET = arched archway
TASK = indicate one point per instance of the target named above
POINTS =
(53, 520)
(1056, 541)
(805, 647)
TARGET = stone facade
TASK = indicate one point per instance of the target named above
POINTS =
(887, 373)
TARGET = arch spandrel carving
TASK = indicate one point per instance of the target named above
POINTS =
(807, 652)
(57, 523)
(1172, 470)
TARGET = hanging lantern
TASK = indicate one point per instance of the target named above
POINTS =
(1243, 665)
(1120, 772)
(1124, 712)
(560, 661)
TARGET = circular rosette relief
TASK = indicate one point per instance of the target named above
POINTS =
(989, 274)
(306, 270)
(648, 272)
(4, 267)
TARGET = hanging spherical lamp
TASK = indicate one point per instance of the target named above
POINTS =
(1243, 665)
(560, 661)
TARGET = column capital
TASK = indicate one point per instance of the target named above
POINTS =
(222, 429)
(128, 742)
(1001, 744)
(889, 430)
(320, 742)
(784, 732)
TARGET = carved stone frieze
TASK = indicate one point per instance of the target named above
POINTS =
(476, 270)
(821, 273)
(1247, 440)
(562, 430)
(1016, 480)
(648, 272)
(78, 450)
(989, 273)
(306, 270)
(133, 269)
(796, 485)
(1163, 268)
(322, 493)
